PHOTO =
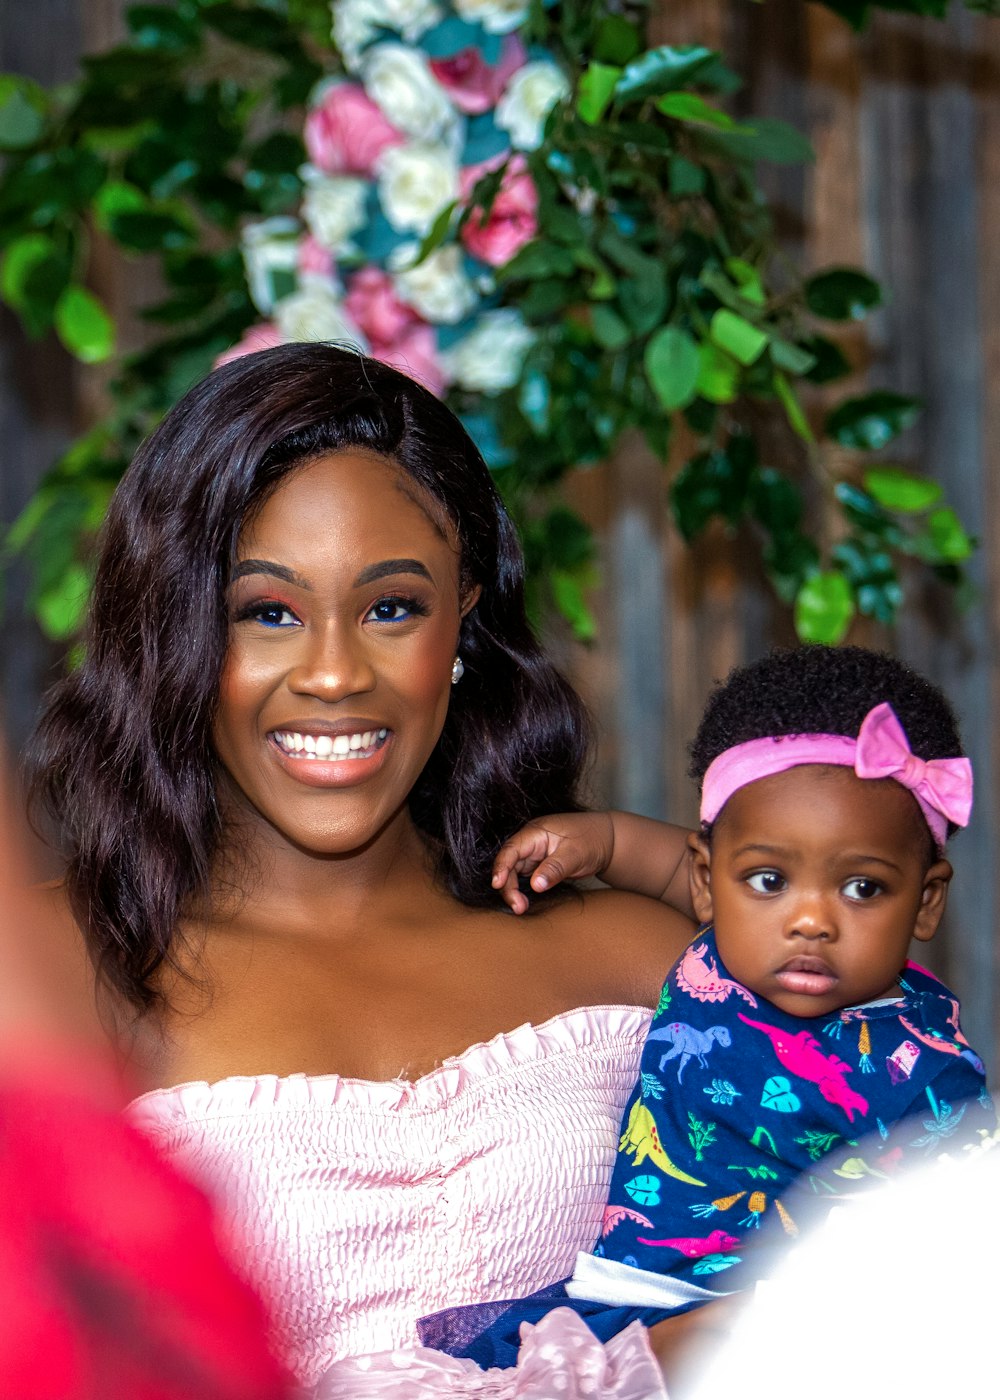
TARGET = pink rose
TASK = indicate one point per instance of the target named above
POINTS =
(347, 132)
(314, 258)
(260, 337)
(416, 354)
(471, 83)
(513, 218)
(373, 306)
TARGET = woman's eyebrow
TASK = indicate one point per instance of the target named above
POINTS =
(266, 566)
(392, 566)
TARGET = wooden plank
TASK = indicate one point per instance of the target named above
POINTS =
(923, 223)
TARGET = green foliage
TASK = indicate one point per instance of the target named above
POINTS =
(656, 288)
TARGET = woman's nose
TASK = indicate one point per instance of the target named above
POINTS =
(333, 665)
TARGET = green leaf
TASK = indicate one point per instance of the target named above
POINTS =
(643, 298)
(824, 608)
(687, 180)
(609, 328)
(737, 336)
(540, 259)
(948, 535)
(114, 198)
(161, 28)
(570, 594)
(747, 280)
(775, 502)
(830, 362)
(794, 411)
(596, 88)
(711, 484)
(61, 607)
(689, 107)
(871, 421)
(22, 113)
(901, 490)
(842, 294)
(616, 40)
(150, 230)
(437, 233)
(83, 326)
(33, 276)
(791, 357)
(765, 140)
(672, 366)
(872, 575)
(862, 510)
(718, 374)
(603, 286)
(21, 257)
(662, 70)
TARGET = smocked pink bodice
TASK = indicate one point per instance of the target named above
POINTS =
(357, 1207)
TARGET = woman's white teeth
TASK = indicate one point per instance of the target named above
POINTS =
(358, 745)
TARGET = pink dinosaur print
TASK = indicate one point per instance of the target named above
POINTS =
(802, 1055)
(703, 982)
(614, 1215)
(693, 1248)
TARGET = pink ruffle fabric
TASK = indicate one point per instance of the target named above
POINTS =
(356, 1207)
(560, 1359)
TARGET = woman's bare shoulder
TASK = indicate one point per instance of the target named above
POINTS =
(624, 940)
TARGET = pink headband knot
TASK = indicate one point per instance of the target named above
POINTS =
(942, 786)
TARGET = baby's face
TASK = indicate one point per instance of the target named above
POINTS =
(816, 880)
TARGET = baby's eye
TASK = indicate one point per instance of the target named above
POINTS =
(861, 889)
(767, 881)
(395, 609)
(269, 614)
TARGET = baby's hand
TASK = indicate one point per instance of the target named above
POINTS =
(568, 846)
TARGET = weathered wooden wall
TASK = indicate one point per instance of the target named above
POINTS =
(906, 124)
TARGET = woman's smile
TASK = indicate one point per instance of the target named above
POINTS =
(325, 757)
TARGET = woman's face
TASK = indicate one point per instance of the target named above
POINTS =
(344, 611)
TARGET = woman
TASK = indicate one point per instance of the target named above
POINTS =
(310, 710)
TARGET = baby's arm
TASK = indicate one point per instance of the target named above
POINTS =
(624, 850)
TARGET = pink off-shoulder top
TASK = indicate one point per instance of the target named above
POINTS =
(357, 1207)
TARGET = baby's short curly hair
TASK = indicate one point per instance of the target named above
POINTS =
(822, 690)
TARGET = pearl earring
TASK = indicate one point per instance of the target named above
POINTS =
(457, 670)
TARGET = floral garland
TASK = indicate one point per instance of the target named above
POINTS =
(436, 99)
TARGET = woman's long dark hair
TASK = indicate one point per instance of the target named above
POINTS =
(122, 761)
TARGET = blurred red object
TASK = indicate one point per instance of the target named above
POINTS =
(111, 1282)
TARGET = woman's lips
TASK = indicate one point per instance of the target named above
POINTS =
(331, 760)
(807, 976)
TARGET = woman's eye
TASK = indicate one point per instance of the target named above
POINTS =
(269, 615)
(766, 881)
(862, 889)
(395, 609)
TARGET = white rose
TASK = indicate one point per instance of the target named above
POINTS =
(399, 81)
(490, 357)
(496, 16)
(415, 182)
(315, 312)
(270, 257)
(334, 207)
(411, 18)
(437, 288)
(530, 96)
(355, 24)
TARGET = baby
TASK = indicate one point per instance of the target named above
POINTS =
(793, 1041)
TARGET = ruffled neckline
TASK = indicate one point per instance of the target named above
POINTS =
(568, 1031)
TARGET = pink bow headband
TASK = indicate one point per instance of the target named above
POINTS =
(942, 786)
